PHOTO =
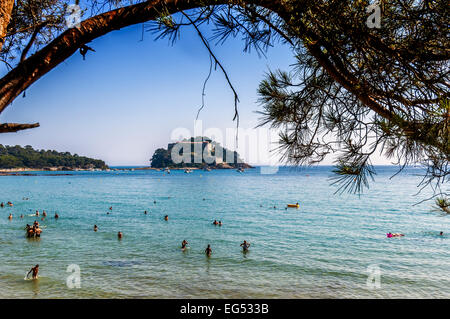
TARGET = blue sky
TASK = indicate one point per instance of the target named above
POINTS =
(125, 99)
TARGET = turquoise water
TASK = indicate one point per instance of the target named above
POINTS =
(322, 250)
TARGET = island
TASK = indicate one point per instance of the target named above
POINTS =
(197, 153)
(19, 159)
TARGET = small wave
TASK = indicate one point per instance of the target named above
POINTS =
(122, 263)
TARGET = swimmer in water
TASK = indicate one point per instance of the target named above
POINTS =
(44, 214)
(10, 204)
(154, 202)
(37, 231)
(21, 215)
(220, 223)
(110, 208)
(441, 233)
(245, 246)
(37, 213)
(95, 228)
(215, 222)
(145, 212)
(2, 205)
(166, 217)
(208, 251)
(119, 235)
(35, 271)
(390, 235)
(184, 244)
(30, 231)
(56, 216)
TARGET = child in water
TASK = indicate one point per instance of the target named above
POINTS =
(208, 251)
(245, 246)
(35, 271)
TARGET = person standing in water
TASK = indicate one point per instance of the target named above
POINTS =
(119, 235)
(95, 228)
(35, 271)
(184, 244)
(208, 251)
(166, 217)
(56, 216)
(245, 246)
(10, 216)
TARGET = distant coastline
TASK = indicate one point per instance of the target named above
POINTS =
(23, 159)
(18, 170)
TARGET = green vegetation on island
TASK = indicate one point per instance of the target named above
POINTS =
(198, 152)
(12, 157)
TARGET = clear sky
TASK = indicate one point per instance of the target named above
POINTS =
(126, 99)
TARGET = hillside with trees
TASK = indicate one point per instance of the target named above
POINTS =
(27, 157)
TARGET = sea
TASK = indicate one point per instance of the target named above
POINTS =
(332, 246)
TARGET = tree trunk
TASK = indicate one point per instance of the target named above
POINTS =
(43, 61)
(6, 7)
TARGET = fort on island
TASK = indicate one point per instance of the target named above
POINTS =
(197, 152)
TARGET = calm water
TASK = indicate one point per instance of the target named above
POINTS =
(322, 250)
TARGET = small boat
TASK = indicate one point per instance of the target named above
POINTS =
(293, 205)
